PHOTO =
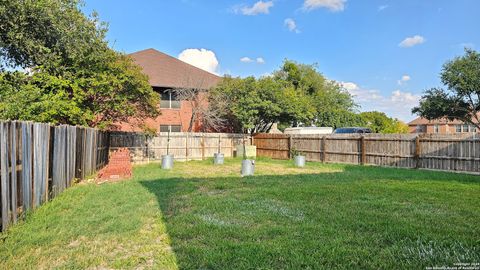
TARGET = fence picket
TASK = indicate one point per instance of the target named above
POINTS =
(4, 179)
(459, 152)
(30, 152)
(183, 145)
(13, 174)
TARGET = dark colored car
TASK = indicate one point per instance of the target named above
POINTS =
(349, 130)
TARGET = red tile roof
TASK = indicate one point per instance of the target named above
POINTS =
(441, 121)
(166, 71)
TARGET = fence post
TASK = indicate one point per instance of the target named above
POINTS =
(363, 153)
(290, 146)
(324, 149)
(418, 151)
(203, 146)
(186, 147)
(146, 153)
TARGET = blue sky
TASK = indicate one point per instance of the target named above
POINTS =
(384, 52)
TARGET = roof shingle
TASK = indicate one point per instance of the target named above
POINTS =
(166, 71)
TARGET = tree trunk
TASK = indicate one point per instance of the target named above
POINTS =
(192, 120)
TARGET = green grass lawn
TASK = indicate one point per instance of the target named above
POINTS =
(201, 216)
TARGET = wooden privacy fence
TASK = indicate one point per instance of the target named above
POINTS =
(38, 161)
(183, 145)
(425, 151)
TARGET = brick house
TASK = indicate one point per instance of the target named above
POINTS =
(441, 126)
(166, 73)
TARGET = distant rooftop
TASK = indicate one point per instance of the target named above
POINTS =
(166, 71)
(440, 121)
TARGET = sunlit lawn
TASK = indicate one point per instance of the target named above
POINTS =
(201, 216)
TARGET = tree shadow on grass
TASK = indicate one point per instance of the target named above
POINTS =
(327, 220)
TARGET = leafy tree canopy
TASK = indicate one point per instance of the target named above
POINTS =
(250, 104)
(319, 96)
(294, 95)
(461, 99)
(57, 67)
(379, 122)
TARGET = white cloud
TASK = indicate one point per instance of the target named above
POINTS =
(350, 86)
(397, 104)
(361, 94)
(332, 5)
(412, 41)
(404, 97)
(291, 25)
(259, 7)
(246, 60)
(382, 7)
(404, 79)
(201, 58)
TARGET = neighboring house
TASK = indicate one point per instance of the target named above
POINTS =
(441, 126)
(166, 73)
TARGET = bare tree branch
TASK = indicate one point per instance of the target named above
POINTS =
(204, 112)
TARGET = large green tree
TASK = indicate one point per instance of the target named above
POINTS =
(379, 122)
(294, 95)
(64, 70)
(461, 99)
(250, 105)
(321, 98)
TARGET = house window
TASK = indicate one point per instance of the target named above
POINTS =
(169, 100)
(472, 128)
(436, 129)
(421, 128)
(171, 128)
(465, 128)
(458, 128)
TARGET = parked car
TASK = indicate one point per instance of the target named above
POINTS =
(348, 130)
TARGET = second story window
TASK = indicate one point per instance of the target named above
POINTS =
(458, 128)
(421, 128)
(436, 129)
(465, 128)
(169, 100)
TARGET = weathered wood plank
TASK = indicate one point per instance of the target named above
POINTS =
(438, 152)
(13, 174)
(41, 138)
(30, 152)
(27, 168)
(4, 176)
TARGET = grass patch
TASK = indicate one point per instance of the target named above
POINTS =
(204, 216)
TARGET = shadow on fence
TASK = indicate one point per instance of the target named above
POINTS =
(38, 161)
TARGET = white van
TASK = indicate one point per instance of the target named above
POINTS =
(309, 130)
